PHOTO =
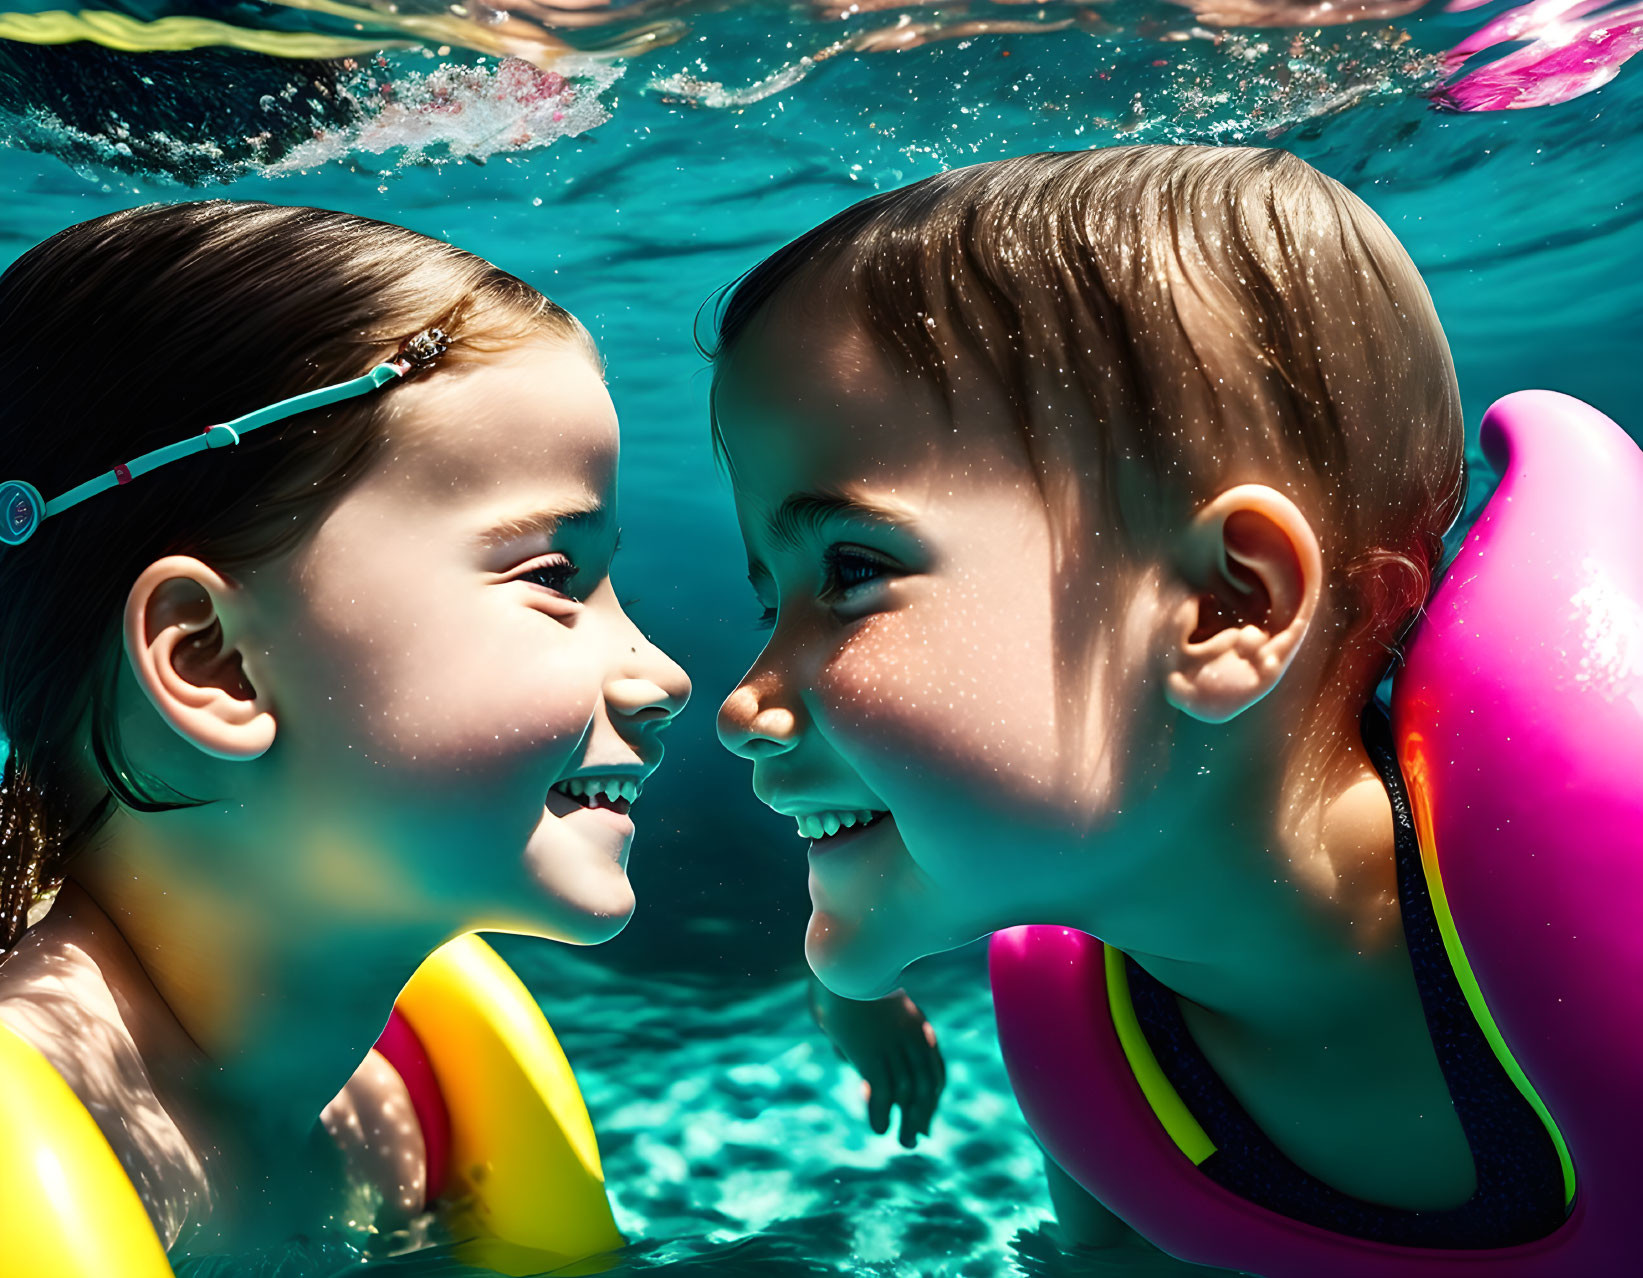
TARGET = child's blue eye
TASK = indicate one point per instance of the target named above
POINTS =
(845, 568)
(848, 567)
(556, 574)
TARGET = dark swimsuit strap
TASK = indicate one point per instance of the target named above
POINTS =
(1520, 1192)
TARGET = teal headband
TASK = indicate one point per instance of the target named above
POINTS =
(22, 508)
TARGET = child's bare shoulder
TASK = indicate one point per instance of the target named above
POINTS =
(374, 1124)
(73, 995)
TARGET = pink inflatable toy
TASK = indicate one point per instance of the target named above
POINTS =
(1518, 719)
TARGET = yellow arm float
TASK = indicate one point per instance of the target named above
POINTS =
(67, 1209)
(524, 1174)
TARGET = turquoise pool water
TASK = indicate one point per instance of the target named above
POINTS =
(733, 1139)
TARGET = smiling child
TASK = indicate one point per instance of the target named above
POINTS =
(1086, 497)
(288, 714)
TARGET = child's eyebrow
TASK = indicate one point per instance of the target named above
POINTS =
(804, 514)
(544, 522)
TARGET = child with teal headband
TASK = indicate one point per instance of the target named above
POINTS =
(311, 663)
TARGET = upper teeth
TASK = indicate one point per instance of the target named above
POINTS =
(814, 825)
(612, 788)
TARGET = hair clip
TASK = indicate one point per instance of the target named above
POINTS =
(423, 348)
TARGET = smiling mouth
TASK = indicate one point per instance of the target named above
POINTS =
(613, 794)
(830, 829)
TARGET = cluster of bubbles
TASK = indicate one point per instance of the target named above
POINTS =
(1257, 87)
(462, 112)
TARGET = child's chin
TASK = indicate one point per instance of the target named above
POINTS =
(582, 896)
(849, 963)
(597, 929)
(597, 922)
(587, 911)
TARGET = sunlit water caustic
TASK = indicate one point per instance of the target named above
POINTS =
(633, 163)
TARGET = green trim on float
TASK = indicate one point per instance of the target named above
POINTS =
(1171, 1111)
(1480, 1013)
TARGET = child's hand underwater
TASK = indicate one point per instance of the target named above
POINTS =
(893, 1046)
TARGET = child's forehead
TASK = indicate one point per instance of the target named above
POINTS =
(798, 409)
(512, 440)
(805, 352)
(912, 476)
(537, 409)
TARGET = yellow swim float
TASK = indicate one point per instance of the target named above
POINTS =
(522, 1182)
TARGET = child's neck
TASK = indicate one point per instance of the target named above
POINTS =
(281, 1005)
(1288, 954)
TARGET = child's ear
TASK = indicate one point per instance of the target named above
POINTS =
(1254, 576)
(187, 663)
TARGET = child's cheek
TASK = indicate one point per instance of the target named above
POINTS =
(472, 714)
(956, 694)
(431, 709)
(874, 692)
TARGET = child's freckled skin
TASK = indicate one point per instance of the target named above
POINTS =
(935, 694)
(1171, 437)
(1168, 441)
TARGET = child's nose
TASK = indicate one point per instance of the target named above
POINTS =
(755, 727)
(649, 688)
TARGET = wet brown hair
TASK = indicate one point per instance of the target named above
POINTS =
(131, 331)
(1221, 315)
